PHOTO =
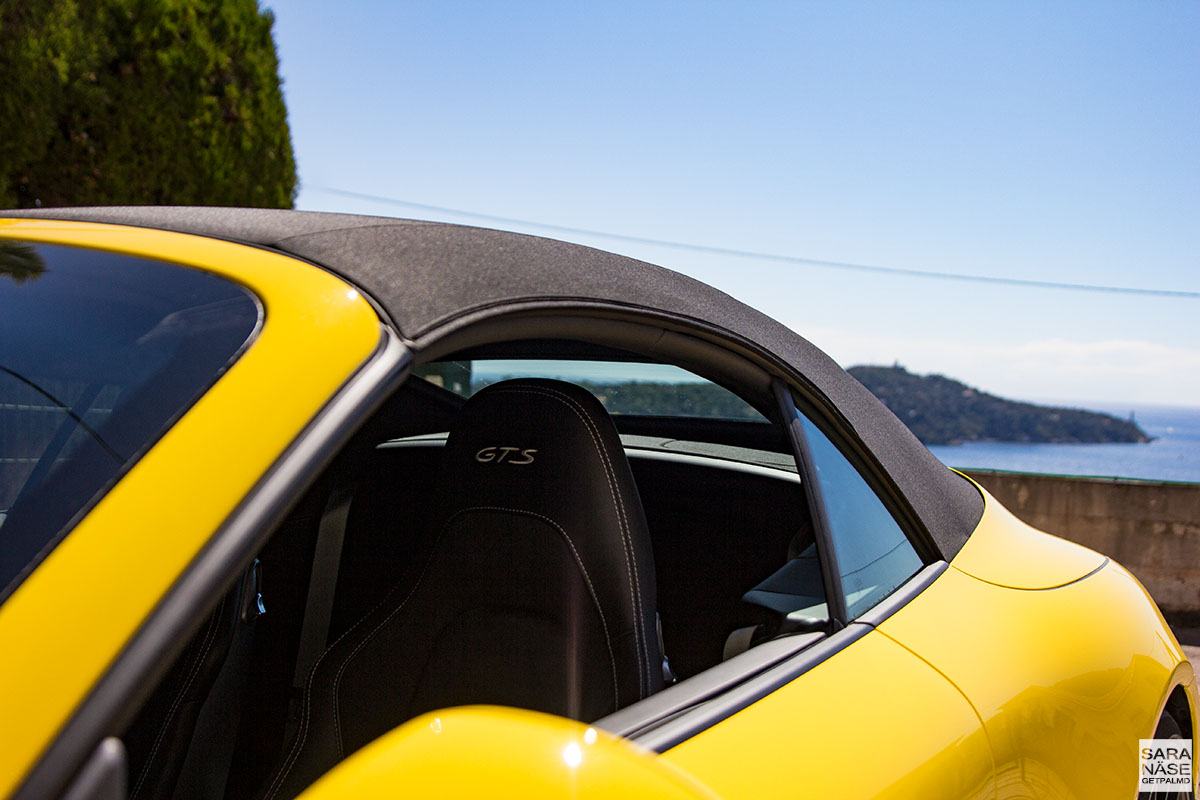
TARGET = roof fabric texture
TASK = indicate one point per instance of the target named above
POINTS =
(427, 274)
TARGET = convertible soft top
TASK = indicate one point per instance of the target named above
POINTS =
(426, 274)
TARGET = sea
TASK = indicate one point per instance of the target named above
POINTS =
(1174, 455)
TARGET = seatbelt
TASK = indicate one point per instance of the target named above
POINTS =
(318, 611)
(668, 674)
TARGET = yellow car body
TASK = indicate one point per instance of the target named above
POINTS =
(1024, 666)
(196, 475)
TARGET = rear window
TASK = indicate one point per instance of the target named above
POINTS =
(99, 354)
(623, 387)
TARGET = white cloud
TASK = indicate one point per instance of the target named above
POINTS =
(1116, 370)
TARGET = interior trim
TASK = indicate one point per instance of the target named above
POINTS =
(438, 440)
(713, 462)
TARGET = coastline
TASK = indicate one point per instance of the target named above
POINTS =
(1173, 455)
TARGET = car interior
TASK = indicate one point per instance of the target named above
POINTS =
(552, 524)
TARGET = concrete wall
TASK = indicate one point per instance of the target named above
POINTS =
(1151, 528)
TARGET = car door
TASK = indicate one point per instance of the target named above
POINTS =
(868, 717)
(831, 707)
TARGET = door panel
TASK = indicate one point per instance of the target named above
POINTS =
(871, 721)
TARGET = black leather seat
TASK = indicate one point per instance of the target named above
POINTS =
(537, 591)
(181, 743)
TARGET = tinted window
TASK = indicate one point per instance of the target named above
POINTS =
(99, 354)
(873, 554)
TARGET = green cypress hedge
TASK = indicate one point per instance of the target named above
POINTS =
(131, 102)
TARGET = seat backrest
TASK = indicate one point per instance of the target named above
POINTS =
(537, 592)
(180, 744)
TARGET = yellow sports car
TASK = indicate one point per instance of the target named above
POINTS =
(342, 506)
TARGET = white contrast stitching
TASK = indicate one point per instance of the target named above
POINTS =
(302, 735)
(337, 680)
(612, 659)
(644, 679)
(433, 552)
(626, 536)
(210, 635)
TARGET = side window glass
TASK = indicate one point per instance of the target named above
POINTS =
(99, 353)
(874, 556)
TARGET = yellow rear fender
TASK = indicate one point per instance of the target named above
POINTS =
(1007, 552)
(1066, 680)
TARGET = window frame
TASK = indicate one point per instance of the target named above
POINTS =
(791, 411)
(864, 464)
(679, 712)
(835, 596)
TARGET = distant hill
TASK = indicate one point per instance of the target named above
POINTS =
(940, 410)
(668, 399)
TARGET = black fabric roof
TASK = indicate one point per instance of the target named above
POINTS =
(425, 274)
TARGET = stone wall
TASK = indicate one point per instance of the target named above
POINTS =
(1151, 528)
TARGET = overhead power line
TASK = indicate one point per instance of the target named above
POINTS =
(759, 256)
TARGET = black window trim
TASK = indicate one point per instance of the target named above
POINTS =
(835, 597)
(791, 407)
(864, 464)
(679, 712)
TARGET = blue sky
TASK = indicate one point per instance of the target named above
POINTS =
(1041, 141)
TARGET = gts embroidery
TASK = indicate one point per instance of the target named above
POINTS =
(497, 455)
